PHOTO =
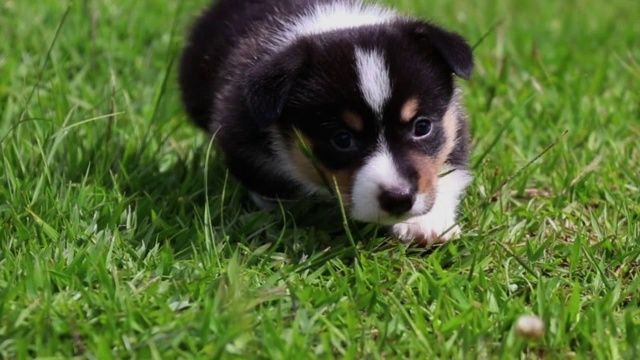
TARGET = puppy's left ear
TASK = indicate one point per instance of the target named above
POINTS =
(453, 48)
(269, 82)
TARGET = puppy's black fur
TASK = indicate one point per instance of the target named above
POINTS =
(257, 92)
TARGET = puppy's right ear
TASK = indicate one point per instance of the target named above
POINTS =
(269, 82)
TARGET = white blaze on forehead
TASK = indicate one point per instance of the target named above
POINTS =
(341, 15)
(323, 18)
(373, 78)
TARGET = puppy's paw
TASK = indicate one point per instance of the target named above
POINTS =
(426, 230)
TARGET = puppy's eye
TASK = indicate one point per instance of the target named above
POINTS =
(421, 127)
(343, 141)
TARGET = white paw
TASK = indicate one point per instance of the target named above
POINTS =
(427, 230)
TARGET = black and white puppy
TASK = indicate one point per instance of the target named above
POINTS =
(304, 94)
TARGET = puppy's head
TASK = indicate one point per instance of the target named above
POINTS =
(371, 109)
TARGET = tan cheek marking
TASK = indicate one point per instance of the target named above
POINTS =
(344, 178)
(427, 169)
(318, 174)
(353, 120)
(450, 125)
(302, 163)
(409, 110)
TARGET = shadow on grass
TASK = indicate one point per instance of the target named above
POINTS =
(185, 204)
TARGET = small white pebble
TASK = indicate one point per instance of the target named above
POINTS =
(530, 327)
(513, 288)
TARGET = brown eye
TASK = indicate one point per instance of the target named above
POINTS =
(421, 127)
(343, 141)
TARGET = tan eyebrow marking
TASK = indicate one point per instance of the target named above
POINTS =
(409, 110)
(450, 122)
(353, 120)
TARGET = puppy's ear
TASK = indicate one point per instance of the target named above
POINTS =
(452, 47)
(269, 82)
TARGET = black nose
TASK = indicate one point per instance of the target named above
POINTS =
(397, 200)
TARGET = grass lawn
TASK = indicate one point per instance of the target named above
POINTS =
(122, 237)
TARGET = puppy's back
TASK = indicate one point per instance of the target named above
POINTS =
(215, 34)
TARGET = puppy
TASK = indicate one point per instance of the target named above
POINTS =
(322, 97)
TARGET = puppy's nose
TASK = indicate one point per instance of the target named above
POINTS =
(396, 200)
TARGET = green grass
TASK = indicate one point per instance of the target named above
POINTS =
(121, 236)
